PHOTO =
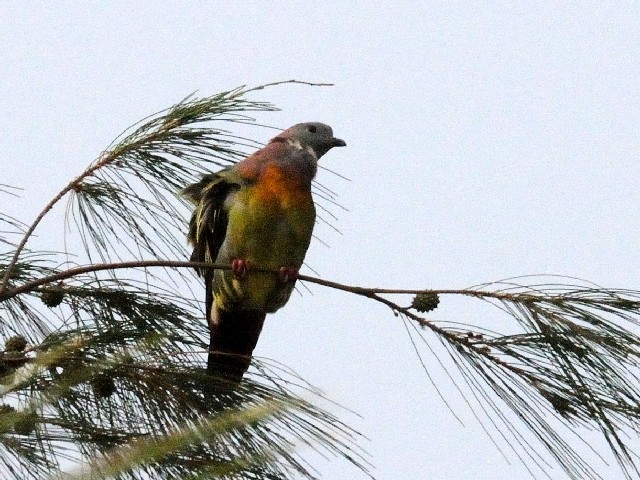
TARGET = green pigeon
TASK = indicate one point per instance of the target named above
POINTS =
(256, 214)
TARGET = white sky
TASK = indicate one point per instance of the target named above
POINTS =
(483, 143)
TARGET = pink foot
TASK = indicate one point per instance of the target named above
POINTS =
(288, 274)
(240, 267)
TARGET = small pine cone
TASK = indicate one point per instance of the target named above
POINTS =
(26, 424)
(560, 404)
(15, 344)
(52, 298)
(103, 386)
(425, 302)
(5, 409)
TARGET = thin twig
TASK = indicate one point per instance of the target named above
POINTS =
(283, 82)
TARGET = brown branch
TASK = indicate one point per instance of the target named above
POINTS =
(97, 267)
(372, 293)
(369, 292)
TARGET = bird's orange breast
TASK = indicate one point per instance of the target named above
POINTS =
(277, 186)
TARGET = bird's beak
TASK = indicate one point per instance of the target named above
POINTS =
(337, 142)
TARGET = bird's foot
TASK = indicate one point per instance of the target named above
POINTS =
(288, 273)
(240, 267)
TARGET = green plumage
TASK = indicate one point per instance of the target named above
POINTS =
(257, 214)
(265, 224)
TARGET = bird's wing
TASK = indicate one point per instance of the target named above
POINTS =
(208, 224)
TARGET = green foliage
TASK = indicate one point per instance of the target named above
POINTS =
(577, 355)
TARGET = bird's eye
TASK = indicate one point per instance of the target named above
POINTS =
(312, 128)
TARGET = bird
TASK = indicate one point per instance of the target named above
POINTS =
(257, 217)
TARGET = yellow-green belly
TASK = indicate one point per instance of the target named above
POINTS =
(269, 229)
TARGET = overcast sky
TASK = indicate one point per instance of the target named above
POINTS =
(483, 143)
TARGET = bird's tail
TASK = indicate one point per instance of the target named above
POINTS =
(234, 335)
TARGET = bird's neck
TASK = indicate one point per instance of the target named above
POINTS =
(282, 161)
(288, 177)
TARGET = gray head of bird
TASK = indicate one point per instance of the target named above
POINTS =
(314, 135)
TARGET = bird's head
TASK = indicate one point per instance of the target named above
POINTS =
(314, 135)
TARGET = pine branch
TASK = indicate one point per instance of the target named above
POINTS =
(100, 387)
(152, 450)
(575, 353)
